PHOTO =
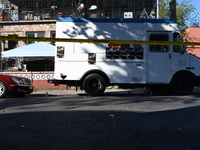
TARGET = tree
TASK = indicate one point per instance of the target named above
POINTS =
(185, 12)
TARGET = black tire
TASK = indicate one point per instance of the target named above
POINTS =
(182, 84)
(3, 89)
(94, 85)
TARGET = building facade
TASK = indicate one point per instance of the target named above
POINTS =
(25, 28)
(36, 18)
(14, 10)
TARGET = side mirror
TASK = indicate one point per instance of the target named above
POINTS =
(183, 49)
(179, 49)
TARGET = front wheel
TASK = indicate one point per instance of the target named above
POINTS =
(182, 84)
(3, 89)
(94, 85)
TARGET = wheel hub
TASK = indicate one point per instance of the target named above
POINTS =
(1, 89)
(182, 84)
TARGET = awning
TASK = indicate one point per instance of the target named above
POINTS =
(32, 50)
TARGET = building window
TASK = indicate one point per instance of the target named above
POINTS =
(53, 35)
(38, 4)
(34, 34)
(12, 44)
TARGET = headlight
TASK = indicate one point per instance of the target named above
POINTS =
(15, 80)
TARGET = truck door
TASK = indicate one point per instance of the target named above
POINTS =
(158, 58)
(180, 58)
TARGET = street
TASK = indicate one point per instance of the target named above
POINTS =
(114, 121)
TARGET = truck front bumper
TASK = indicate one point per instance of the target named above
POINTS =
(67, 82)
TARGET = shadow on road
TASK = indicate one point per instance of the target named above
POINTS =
(87, 123)
(97, 130)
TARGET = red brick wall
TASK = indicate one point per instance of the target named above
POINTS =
(39, 79)
(18, 28)
(43, 85)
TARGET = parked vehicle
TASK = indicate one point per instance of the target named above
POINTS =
(15, 86)
(93, 66)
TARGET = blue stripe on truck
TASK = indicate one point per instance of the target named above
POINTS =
(114, 20)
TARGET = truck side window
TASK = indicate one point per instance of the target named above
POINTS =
(159, 48)
(124, 51)
(177, 38)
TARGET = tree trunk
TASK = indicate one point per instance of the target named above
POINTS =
(172, 6)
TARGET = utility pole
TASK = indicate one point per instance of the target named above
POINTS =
(157, 9)
(172, 6)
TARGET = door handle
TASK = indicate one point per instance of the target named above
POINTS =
(170, 55)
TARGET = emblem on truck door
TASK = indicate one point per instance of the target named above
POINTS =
(63, 76)
(60, 51)
(92, 59)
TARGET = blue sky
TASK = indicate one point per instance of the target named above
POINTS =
(196, 3)
(193, 18)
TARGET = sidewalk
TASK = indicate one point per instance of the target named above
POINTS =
(112, 90)
(58, 92)
(74, 92)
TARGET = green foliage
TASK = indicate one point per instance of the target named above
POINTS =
(185, 12)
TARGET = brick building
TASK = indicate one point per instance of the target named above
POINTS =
(25, 28)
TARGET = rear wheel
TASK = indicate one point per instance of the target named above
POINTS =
(3, 89)
(182, 84)
(94, 85)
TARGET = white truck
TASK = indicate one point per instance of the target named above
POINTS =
(94, 66)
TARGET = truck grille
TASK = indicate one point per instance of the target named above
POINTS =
(182, 62)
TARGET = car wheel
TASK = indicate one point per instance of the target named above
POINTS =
(94, 85)
(182, 84)
(3, 89)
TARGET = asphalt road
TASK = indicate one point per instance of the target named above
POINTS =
(114, 121)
